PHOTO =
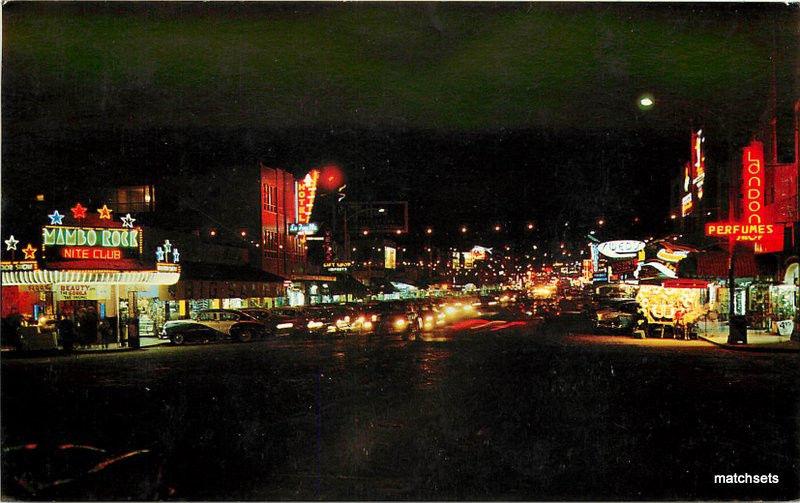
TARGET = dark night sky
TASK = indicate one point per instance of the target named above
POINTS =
(495, 112)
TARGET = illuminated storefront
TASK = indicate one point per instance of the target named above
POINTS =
(88, 262)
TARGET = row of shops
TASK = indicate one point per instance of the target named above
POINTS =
(97, 271)
(672, 281)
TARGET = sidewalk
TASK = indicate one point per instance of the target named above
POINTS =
(145, 343)
(757, 340)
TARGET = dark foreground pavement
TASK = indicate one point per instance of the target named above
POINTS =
(488, 412)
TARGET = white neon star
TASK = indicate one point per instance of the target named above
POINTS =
(127, 221)
(175, 255)
(56, 218)
(167, 246)
(159, 254)
(11, 243)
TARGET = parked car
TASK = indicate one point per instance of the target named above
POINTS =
(212, 325)
(275, 323)
(618, 317)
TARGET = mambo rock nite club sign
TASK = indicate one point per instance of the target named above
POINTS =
(754, 226)
(91, 247)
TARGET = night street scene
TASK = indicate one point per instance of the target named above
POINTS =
(426, 251)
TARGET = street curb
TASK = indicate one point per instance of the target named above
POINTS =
(760, 348)
(13, 355)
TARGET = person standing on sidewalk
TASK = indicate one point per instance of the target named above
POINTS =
(66, 332)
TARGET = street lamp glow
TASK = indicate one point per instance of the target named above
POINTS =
(601, 222)
(646, 101)
(381, 210)
(530, 226)
(497, 228)
(428, 231)
(463, 230)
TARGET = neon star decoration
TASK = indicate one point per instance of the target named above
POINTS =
(175, 256)
(159, 254)
(127, 221)
(30, 252)
(78, 212)
(56, 218)
(167, 246)
(105, 212)
(11, 243)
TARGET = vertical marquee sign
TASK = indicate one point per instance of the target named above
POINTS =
(755, 226)
(305, 193)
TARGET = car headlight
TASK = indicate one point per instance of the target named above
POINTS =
(400, 322)
(367, 325)
(282, 326)
(347, 319)
(374, 317)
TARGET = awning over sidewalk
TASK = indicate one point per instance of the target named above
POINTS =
(218, 281)
(222, 272)
(345, 284)
(714, 264)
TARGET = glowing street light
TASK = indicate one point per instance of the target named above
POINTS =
(530, 226)
(463, 230)
(646, 101)
(428, 231)
(497, 228)
(601, 222)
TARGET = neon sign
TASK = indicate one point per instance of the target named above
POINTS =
(621, 248)
(673, 256)
(303, 229)
(753, 227)
(11, 243)
(78, 212)
(88, 236)
(86, 253)
(740, 232)
(686, 204)
(105, 212)
(698, 163)
(753, 182)
(305, 192)
(30, 252)
(55, 218)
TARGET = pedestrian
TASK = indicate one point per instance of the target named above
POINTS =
(13, 324)
(106, 336)
(66, 332)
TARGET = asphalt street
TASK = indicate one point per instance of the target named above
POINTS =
(485, 411)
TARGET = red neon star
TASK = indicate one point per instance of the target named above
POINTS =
(105, 212)
(78, 211)
(30, 252)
